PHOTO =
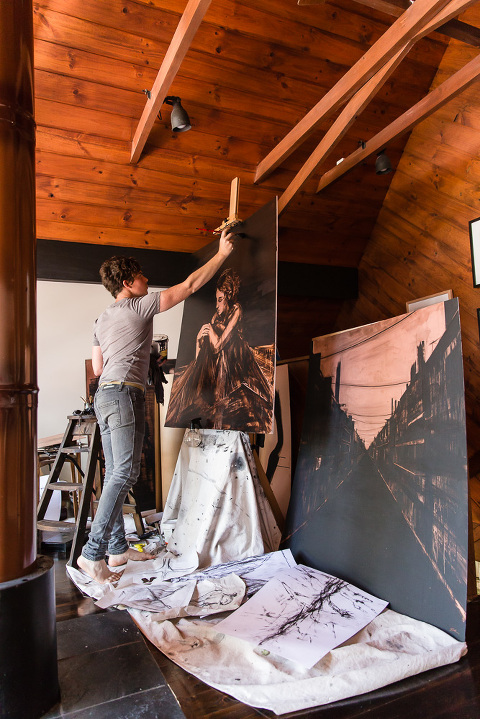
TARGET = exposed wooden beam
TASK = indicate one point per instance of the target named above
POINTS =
(461, 31)
(453, 28)
(403, 124)
(186, 29)
(409, 25)
(341, 125)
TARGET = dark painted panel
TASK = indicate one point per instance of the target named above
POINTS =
(80, 262)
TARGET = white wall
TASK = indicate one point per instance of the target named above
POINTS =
(66, 312)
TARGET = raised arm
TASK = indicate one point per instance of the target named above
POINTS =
(176, 294)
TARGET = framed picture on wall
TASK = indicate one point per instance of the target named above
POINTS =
(474, 226)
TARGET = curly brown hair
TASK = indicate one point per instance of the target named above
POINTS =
(229, 284)
(116, 270)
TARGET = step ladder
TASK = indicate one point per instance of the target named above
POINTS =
(82, 436)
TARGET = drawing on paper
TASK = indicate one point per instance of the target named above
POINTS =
(302, 614)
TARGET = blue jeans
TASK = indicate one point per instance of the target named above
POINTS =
(120, 412)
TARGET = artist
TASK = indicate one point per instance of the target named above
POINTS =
(120, 357)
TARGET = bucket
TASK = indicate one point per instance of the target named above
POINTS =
(160, 346)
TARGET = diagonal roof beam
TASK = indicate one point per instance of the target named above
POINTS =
(393, 39)
(406, 122)
(341, 125)
(453, 28)
(350, 113)
(183, 36)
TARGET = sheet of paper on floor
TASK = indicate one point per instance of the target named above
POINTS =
(302, 614)
(169, 600)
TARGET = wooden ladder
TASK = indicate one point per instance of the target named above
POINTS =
(79, 428)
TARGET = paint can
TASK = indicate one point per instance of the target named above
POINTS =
(160, 346)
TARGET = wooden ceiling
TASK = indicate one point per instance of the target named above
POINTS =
(253, 70)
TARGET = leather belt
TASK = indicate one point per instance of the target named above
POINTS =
(129, 384)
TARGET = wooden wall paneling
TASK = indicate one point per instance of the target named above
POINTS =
(151, 30)
(442, 181)
(106, 173)
(401, 275)
(168, 220)
(318, 247)
(94, 234)
(454, 28)
(334, 22)
(240, 139)
(139, 179)
(103, 124)
(449, 129)
(88, 94)
(128, 200)
(252, 69)
(354, 107)
(106, 216)
(64, 142)
(424, 233)
(89, 64)
(118, 46)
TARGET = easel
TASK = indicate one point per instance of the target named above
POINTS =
(229, 223)
(272, 500)
(233, 219)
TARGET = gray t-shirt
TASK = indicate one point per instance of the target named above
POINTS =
(124, 333)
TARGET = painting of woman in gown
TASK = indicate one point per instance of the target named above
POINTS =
(225, 385)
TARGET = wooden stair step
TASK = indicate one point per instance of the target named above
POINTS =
(66, 486)
(51, 525)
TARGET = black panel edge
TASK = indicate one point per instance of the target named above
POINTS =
(79, 262)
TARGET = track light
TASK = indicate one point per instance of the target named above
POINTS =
(382, 164)
(179, 117)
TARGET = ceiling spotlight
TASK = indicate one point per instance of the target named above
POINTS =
(382, 164)
(179, 118)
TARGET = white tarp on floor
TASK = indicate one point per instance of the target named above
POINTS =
(392, 647)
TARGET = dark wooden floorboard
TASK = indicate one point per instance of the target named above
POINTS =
(451, 692)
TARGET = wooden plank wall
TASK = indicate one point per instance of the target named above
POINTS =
(420, 244)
